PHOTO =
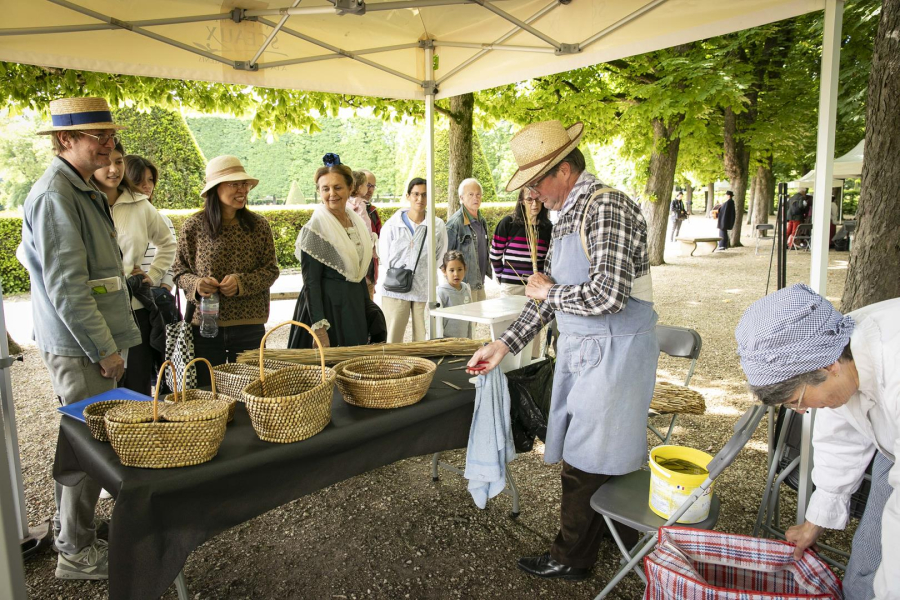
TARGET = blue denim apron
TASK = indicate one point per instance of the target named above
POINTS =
(604, 378)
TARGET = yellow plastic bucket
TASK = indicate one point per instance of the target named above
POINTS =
(669, 490)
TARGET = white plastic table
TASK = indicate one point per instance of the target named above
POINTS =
(498, 313)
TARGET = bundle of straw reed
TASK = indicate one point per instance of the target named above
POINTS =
(425, 349)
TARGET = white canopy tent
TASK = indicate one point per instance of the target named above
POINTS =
(848, 166)
(388, 49)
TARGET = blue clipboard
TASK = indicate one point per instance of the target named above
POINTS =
(76, 410)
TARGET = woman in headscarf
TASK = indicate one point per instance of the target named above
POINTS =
(335, 250)
(799, 352)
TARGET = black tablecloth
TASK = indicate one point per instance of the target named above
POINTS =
(161, 515)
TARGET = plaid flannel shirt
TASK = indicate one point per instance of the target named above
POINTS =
(616, 236)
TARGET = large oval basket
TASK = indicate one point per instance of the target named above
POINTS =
(291, 404)
(189, 395)
(231, 378)
(177, 435)
(386, 393)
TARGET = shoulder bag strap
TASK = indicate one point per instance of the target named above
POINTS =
(584, 245)
(421, 246)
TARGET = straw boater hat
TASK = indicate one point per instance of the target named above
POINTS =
(225, 168)
(539, 147)
(70, 114)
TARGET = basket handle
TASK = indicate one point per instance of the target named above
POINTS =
(262, 346)
(159, 379)
(212, 375)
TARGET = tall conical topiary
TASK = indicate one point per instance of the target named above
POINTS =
(163, 137)
(295, 196)
(482, 171)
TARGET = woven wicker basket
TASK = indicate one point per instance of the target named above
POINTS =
(93, 416)
(386, 393)
(291, 404)
(673, 398)
(176, 435)
(375, 368)
(231, 378)
(186, 395)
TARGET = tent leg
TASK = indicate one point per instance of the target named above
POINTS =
(818, 276)
(430, 91)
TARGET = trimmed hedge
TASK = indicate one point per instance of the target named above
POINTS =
(285, 223)
(12, 274)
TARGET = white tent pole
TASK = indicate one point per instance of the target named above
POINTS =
(334, 55)
(520, 23)
(430, 90)
(12, 572)
(375, 6)
(12, 464)
(821, 212)
(272, 35)
(107, 26)
(495, 47)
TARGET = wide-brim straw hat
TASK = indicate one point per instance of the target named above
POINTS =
(70, 114)
(225, 168)
(539, 147)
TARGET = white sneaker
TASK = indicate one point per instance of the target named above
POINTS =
(90, 563)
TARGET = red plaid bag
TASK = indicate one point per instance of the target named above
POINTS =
(692, 564)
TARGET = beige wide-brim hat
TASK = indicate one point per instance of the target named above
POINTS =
(225, 168)
(539, 147)
(70, 114)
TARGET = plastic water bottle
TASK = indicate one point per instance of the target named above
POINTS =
(209, 314)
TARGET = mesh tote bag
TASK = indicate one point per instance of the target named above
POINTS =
(693, 564)
(180, 350)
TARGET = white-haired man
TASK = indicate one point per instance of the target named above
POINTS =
(467, 232)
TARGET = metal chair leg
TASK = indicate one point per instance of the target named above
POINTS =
(435, 461)
(181, 586)
(626, 553)
(513, 493)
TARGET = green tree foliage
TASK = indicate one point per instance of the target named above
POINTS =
(162, 136)
(24, 157)
(13, 275)
(481, 170)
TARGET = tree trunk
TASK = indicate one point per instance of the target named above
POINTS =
(872, 275)
(754, 183)
(689, 198)
(737, 167)
(461, 133)
(658, 191)
(765, 192)
(710, 198)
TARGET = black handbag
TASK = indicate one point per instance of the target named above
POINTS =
(399, 280)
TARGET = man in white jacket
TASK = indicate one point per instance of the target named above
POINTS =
(798, 351)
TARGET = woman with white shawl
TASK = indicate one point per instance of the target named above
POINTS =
(335, 250)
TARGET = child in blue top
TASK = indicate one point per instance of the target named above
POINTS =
(454, 293)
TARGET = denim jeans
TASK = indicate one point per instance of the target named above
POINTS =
(225, 347)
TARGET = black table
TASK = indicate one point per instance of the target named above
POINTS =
(161, 515)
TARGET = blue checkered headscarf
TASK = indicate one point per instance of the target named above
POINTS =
(788, 333)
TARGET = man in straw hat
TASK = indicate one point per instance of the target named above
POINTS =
(598, 288)
(82, 311)
(799, 352)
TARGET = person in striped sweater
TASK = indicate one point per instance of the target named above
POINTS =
(510, 254)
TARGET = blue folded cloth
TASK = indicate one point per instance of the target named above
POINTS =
(490, 438)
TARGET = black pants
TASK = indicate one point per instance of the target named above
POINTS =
(581, 528)
(139, 370)
(723, 238)
(228, 343)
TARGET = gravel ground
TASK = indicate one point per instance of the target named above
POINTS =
(393, 533)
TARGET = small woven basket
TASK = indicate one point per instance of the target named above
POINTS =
(187, 395)
(374, 368)
(291, 404)
(93, 416)
(386, 393)
(231, 378)
(176, 435)
(673, 398)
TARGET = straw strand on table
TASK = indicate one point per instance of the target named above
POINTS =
(423, 349)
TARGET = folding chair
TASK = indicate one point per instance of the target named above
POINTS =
(762, 234)
(802, 237)
(679, 342)
(783, 470)
(624, 500)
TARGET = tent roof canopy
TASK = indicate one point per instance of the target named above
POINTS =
(848, 166)
(371, 48)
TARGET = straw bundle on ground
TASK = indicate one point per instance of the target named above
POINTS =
(673, 398)
(425, 349)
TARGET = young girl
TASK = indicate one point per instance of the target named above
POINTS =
(455, 292)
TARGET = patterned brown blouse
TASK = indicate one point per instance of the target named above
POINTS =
(248, 255)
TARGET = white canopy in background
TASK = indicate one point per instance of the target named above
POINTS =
(387, 52)
(848, 166)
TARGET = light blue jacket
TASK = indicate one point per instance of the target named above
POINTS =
(461, 236)
(68, 238)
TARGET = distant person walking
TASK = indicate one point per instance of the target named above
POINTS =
(677, 215)
(726, 220)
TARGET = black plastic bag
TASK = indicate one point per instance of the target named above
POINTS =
(530, 389)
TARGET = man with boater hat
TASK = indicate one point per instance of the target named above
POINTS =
(82, 311)
(597, 287)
